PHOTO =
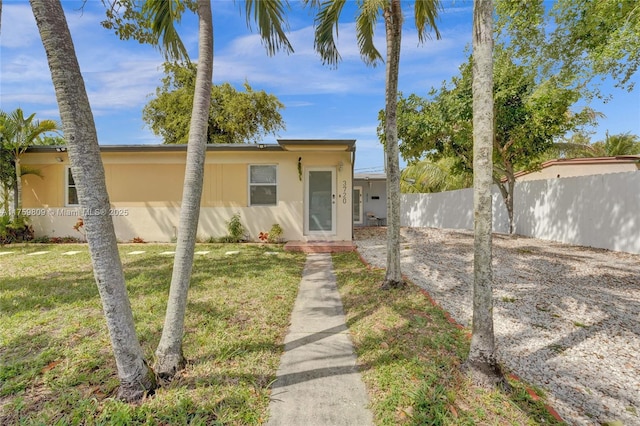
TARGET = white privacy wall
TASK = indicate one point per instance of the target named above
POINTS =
(598, 211)
(451, 209)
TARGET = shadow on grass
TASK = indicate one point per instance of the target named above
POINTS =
(236, 319)
(410, 355)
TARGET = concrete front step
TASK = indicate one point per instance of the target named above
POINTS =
(320, 246)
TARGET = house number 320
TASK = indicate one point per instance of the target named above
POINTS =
(344, 192)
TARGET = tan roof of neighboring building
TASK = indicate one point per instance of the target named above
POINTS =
(621, 159)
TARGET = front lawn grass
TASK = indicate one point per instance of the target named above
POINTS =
(409, 355)
(56, 364)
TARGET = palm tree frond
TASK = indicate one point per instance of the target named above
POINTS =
(325, 37)
(426, 12)
(165, 14)
(621, 144)
(38, 128)
(17, 133)
(423, 176)
(269, 17)
(365, 30)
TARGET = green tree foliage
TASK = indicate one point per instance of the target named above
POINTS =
(234, 116)
(613, 145)
(529, 116)
(51, 140)
(575, 146)
(149, 22)
(579, 145)
(575, 40)
(17, 133)
(434, 176)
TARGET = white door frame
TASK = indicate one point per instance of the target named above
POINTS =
(358, 220)
(307, 209)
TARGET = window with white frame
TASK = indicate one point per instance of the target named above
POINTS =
(71, 195)
(263, 185)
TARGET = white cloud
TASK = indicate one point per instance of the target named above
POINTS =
(124, 85)
(303, 73)
(115, 76)
(360, 130)
(24, 68)
(18, 26)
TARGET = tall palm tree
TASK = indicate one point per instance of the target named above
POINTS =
(619, 144)
(269, 18)
(481, 363)
(169, 355)
(425, 13)
(7, 180)
(579, 145)
(17, 133)
(136, 378)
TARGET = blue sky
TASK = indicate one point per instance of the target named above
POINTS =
(320, 102)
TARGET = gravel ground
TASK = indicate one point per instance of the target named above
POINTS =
(566, 318)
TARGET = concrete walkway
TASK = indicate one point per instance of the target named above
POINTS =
(318, 383)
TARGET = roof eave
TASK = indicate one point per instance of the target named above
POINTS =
(317, 144)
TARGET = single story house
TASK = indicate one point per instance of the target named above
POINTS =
(305, 186)
(569, 167)
(369, 199)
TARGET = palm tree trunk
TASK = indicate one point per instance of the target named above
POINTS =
(511, 183)
(5, 198)
(169, 356)
(136, 378)
(17, 204)
(481, 364)
(393, 29)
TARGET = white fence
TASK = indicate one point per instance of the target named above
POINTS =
(598, 211)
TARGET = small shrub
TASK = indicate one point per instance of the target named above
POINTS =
(236, 230)
(226, 239)
(138, 240)
(275, 233)
(16, 230)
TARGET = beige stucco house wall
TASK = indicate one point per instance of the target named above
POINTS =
(303, 185)
(571, 167)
